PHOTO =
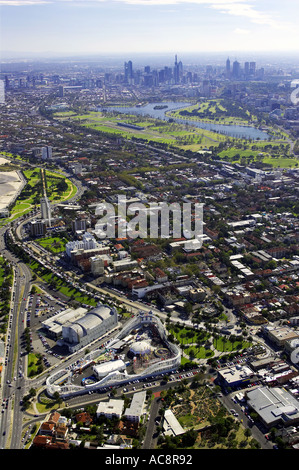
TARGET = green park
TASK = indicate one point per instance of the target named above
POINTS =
(274, 152)
(58, 189)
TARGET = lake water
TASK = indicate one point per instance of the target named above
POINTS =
(240, 132)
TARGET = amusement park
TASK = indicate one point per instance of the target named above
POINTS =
(138, 351)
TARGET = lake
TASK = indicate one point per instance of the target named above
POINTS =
(239, 132)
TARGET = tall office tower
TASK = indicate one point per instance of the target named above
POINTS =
(206, 88)
(46, 153)
(2, 92)
(180, 67)
(227, 67)
(167, 73)
(189, 77)
(246, 69)
(128, 71)
(177, 70)
(236, 69)
(252, 68)
(161, 76)
(45, 210)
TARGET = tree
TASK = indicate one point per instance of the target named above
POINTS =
(188, 438)
(100, 434)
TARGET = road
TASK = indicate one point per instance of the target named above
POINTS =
(151, 437)
(11, 418)
(14, 382)
(257, 431)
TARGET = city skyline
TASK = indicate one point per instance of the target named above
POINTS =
(57, 27)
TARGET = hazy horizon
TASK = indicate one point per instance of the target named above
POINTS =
(114, 60)
(66, 28)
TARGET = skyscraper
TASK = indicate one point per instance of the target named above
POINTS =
(177, 70)
(46, 153)
(128, 71)
(246, 69)
(227, 67)
(45, 210)
(252, 68)
(236, 69)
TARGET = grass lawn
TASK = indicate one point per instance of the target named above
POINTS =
(198, 352)
(188, 335)
(224, 345)
(45, 404)
(61, 285)
(155, 130)
(32, 192)
(33, 364)
(2, 263)
(281, 162)
(211, 106)
(6, 280)
(274, 153)
(190, 340)
(53, 244)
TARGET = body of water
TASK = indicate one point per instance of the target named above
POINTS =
(240, 132)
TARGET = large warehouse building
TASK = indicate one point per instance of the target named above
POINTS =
(53, 325)
(274, 405)
(91, 326)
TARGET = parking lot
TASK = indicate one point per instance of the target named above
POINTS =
(39, 307)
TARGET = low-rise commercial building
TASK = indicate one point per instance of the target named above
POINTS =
(135, 410)
(279, 335)
(171, 426)
(235, 376)
(274, 405)
(111, 409)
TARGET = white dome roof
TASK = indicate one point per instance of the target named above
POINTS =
(140, 347)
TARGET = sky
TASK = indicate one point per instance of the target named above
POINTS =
(104, 27)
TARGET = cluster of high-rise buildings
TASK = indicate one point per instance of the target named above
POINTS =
(149, 77)
(236, 71)
(129, 75)
(176, 75)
